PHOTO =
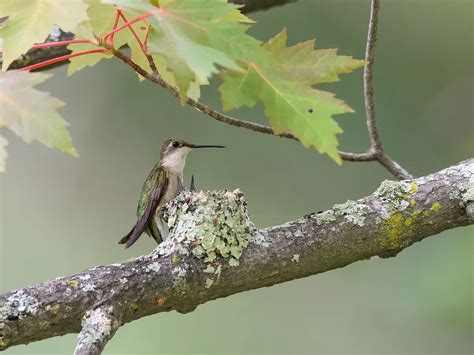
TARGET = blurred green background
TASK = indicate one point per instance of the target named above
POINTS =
(60, 215)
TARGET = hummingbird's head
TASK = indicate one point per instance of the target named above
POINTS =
(174, 152)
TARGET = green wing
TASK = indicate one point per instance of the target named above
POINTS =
(153, 179)
(152, 191)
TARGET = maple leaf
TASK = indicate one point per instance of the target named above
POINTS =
(31, 113)
(283, 83)
(194, 37)
(99, 21)
(30, 22)
(101, 18)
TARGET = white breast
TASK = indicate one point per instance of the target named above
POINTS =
(173, 188)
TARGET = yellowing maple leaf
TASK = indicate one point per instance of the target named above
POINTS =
(31, 113)
(30, 22)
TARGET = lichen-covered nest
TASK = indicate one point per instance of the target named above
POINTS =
(210, 225)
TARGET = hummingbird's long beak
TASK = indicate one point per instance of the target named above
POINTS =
(205, 146)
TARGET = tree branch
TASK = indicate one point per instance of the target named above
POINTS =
(177, 277)
(98, 327)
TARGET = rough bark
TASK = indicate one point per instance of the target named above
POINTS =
(35, 56)
(181, 273)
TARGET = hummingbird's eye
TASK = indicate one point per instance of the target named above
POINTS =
(175, 144)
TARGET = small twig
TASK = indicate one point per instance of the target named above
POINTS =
(133, 32)
(127, 24)
(117, 17)
(376, 150)
(375, 144)
(145, 41)
(392, 166)
(62, 58)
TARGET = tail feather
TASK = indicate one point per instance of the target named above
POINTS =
(125, 239)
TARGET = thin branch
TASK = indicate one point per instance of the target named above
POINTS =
(384, 223)
(391, 165)
(133, 32)
(126, 24)
(98, 327)
(375, 144)
(63, 58)
(117, 18)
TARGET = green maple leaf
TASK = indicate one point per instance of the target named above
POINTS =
(283, 83)
(195, 37)
(31, 113)
(30, 21)
(194, 88)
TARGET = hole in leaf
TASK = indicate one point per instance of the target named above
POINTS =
(310, 110)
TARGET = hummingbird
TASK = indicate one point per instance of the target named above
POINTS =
(163, 184)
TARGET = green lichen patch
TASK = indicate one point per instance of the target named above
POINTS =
(465, 189)
(18, 305)
(468, 195)
(153, 267)
(212, 226)
(394, 197)
(209, 282)
(353, 212)
(98, 324)
(324, 217)
(296, 258)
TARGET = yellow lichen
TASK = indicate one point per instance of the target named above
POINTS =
(410, 219)
(436, 207)
(412, 202)
(395, 227)
(73, 283)
(412, 190)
